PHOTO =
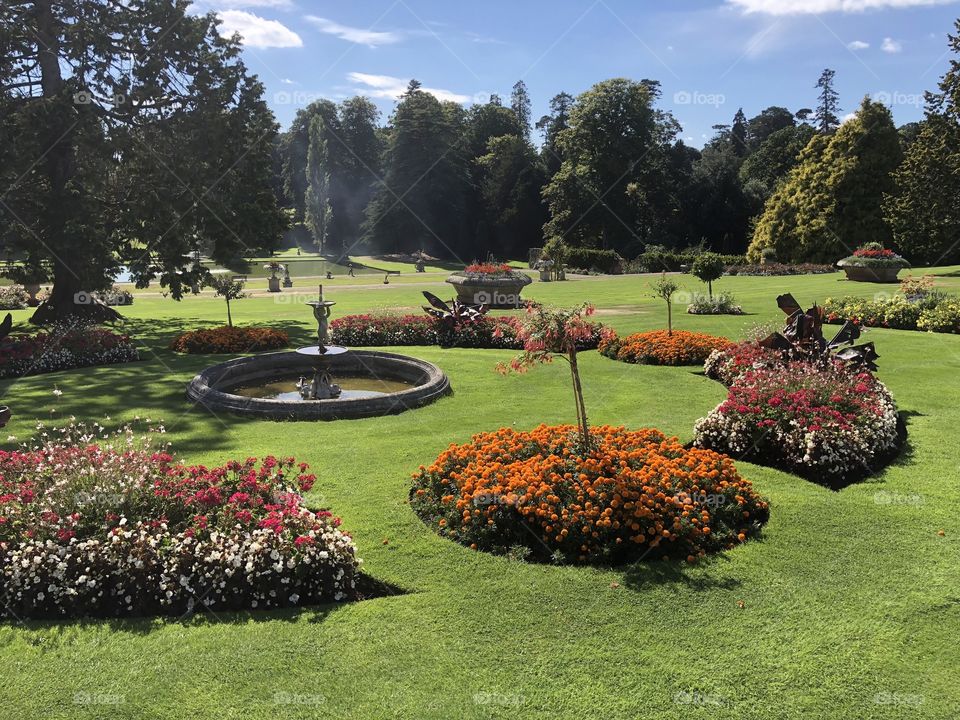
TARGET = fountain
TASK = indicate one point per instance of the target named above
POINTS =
(319, 382)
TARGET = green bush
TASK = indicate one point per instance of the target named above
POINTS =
(936, 312)
(672, 261)
(605, 261)
(720, 304)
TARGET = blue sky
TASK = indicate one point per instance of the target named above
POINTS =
(711, 56)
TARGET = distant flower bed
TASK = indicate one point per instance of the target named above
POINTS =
(935, 312)
(487, 332)
(94, 527)
(13, 297)
(115, 296)
(632, 494)
(777, 269)
(827, 424)
(660, 348)
(63, 347)
(230, 340)
(720, 304)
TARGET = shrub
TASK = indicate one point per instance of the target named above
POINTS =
(604, 261)
(722, 304)
(932, 310)
(660, 348)
(63, 347)
(631, 494)
(115, 296)
(823, 423)
(776, 269)
(727, 365)
(944, 317)
(94, 528)
(487, 332)
(13, 297)
(659, 260)
(229, 340)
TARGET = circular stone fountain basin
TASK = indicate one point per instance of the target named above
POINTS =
(374, 383)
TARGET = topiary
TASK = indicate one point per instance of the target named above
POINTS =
(708, 267)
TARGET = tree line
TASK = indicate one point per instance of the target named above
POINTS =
(132, 134)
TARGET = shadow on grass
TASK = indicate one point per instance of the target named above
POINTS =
(648, 573)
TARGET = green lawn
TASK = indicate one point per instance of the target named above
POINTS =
(848, 607)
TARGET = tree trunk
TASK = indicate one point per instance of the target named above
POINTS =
(229, 318)
(669, 318)
(581, 407)
(710, 289)
(67, 298)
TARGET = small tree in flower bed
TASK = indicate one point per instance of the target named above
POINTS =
(546, 334)
(822, 422)
(660, 347)
(229, 340)
(664, 288)
(99, 525)
(63, 347)
(632, 494)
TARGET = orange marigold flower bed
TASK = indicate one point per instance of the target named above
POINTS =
(634, 494)
(660, 348)
(230, 340)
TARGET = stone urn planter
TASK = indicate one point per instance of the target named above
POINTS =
(4, 415)
(273, 282)
(499, 290)
(873, 263)
(32, 290)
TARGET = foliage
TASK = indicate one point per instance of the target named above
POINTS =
(121, 529)
(604, 261)
(775, 268)
(611, 125)
(708, 267)
(63, 346)
(229, 288)
(426, 165)
(662, 260)
(826, 424)
(13, 297)
(115, 296)
(934, 312)
(661, 348)
(633, 494)
(664, 288)
(318, 211)
(142, 160)
(549, 333)
(382, 330)
(722, 304)
(828, 106)
(924, 208)
(832, 199)
(229, 339)
(773, 160)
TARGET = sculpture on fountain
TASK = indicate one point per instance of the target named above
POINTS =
(321, 386)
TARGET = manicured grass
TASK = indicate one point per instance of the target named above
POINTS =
(847, 608)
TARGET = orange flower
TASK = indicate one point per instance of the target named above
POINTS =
(660, 348)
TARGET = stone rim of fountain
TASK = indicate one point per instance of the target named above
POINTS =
(211, 387)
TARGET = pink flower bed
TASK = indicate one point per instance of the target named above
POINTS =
(92, 525)
(823, 423)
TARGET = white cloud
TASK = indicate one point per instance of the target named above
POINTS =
(360, 36)
(847, 118)
(890, 45)
(816, 7)
(287, 81)
(256, 31)
(858, 45)
(387, 86)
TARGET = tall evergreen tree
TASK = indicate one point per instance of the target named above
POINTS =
(130, 133)
(551, 126)
(420, 203)
(520, 104)
(828, 104)
(318, 216)
(739, 133)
